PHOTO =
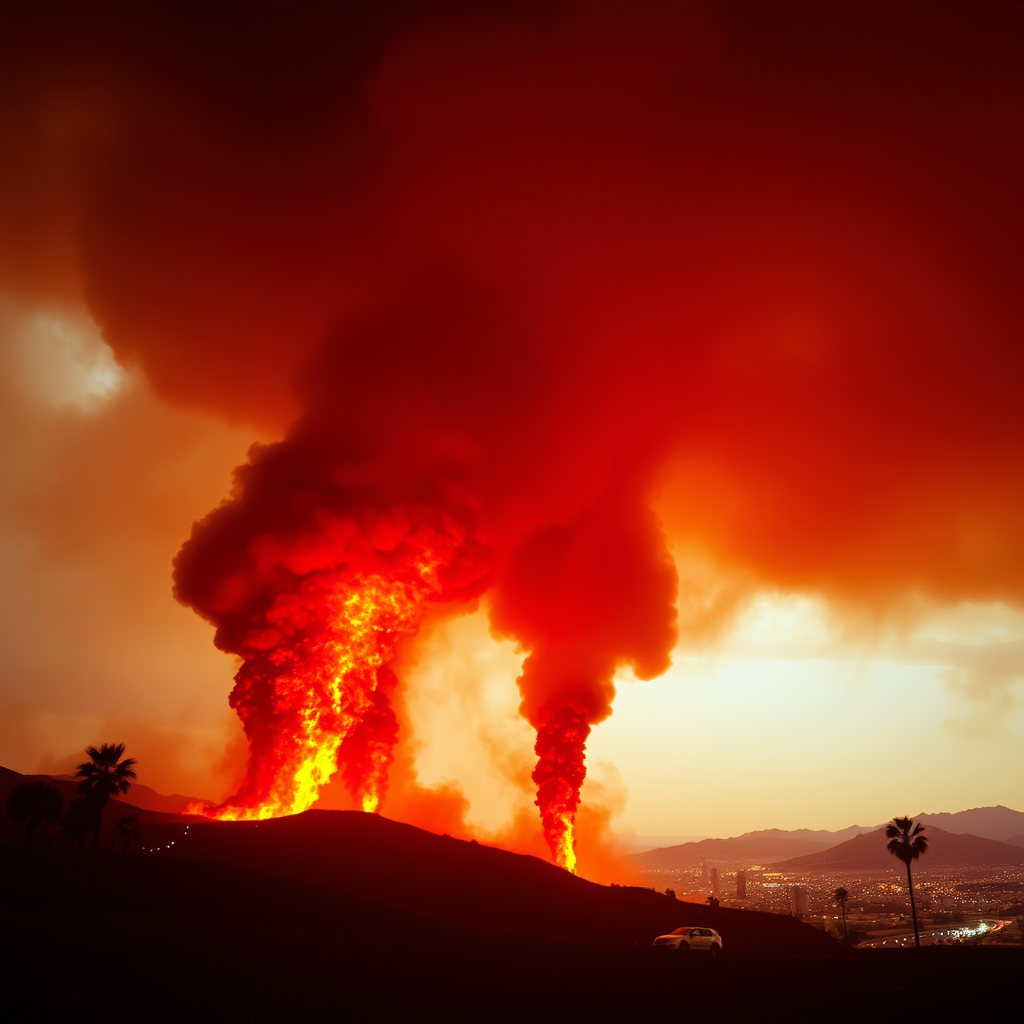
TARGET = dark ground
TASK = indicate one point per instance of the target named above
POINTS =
(142, 937)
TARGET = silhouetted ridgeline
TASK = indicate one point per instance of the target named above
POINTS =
(997, 822)
(775, 846)
(945, 849)
(754, 847)
(466, 884)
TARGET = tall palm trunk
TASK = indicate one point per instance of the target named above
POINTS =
(96, 809)
(913, 909)
(846, 935)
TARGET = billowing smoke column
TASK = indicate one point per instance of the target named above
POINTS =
(584, 598)
(314, 582)
(337, 541)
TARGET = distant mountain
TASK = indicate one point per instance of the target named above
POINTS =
(750, 848)
(640, 844)
(998, 822)
(139, 796)
(945, 849)
(773, 845)
(150, 800)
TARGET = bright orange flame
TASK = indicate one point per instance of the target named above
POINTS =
(561, 747)
(330, 643)
(565, 844)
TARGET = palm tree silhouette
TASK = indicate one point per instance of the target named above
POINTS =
(907, 842)
(129, 828)
(104, 775)
(842, 897)
(33, 802)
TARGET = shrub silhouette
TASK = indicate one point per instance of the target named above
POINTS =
(129, 828)
(78, 823)
(842, 897)
(32, 803)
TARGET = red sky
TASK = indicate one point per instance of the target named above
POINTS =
(754, 266)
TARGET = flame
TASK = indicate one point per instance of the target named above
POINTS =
(560, 771)
(565, 843)
(328, 647)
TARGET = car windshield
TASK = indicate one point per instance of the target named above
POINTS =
(681, 931)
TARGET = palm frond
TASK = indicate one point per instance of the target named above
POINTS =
(906, 839)
(106, 773)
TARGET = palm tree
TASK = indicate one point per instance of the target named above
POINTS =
(907, 842)
(842, 897)
(129, 828)
(33, 802)
(104, 775)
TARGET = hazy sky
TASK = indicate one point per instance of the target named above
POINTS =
(754, 268)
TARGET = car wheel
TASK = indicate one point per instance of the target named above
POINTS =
(714, 949)
(684, 947)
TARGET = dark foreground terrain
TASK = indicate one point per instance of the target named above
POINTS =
(151, 937)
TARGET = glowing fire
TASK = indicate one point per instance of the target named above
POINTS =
(324, 657)
(565, 845)
(560, 771)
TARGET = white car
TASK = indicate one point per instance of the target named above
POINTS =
(685, 939)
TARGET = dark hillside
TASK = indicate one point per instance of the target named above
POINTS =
(468, 885)
(154, 938)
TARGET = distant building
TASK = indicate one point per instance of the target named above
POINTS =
(798, 900)
(741, 885)
(714, 880)
(704, 872)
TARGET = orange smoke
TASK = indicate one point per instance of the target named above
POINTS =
(584, 599)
